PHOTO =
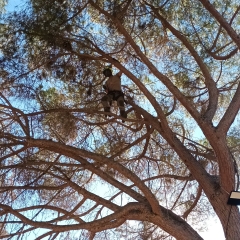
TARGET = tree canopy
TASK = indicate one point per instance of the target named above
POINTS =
(67, 171)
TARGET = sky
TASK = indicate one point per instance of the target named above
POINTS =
(13, 4)
(215, 231)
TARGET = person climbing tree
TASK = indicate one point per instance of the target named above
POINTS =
(114, 92)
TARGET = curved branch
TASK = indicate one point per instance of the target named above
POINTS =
(42, 187)
(234, 15)
(230, 114)
(199, 193)
(111, 221)
(75, 152)
(173, 107)
(133, 211)
(221, 58)
(57, 209)
(211, 85)
(232, 33)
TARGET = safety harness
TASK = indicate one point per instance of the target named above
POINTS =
(116, 94)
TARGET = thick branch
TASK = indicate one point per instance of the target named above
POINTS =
(230, 114)
(71, 151)
(211, 85)
(231, 32)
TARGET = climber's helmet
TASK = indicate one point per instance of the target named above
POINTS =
(107, 72)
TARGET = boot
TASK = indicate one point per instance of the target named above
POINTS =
(107, 109)
(123, 114)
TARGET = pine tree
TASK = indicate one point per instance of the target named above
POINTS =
(71, 172)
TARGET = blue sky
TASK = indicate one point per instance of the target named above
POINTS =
(12, 4)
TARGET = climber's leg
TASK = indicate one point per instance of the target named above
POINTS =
(106, 102)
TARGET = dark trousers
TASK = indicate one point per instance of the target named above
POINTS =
(113, 96)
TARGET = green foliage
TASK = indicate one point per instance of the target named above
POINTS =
(3, 3)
